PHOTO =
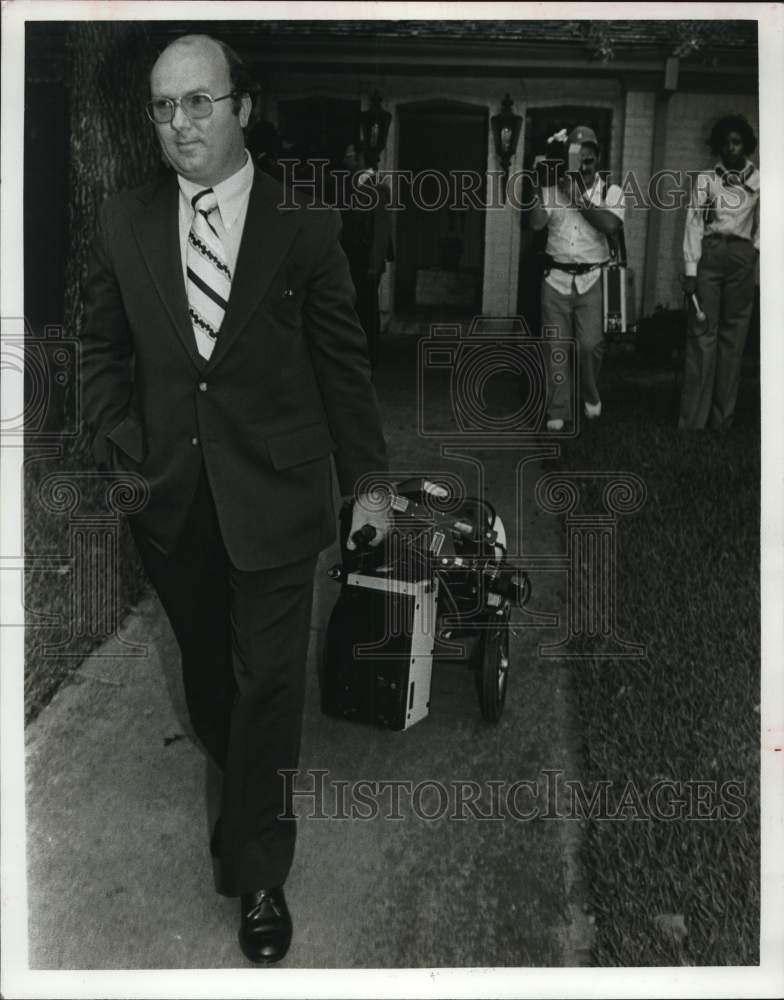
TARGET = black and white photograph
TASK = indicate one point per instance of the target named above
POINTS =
(392, 499)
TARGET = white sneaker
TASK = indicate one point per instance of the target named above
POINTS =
(593, 410)
(555, 425)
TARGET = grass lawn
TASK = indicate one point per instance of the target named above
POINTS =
(688, 589)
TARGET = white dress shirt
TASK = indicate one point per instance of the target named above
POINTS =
(571, 239)
(228, 220)
(718, 207)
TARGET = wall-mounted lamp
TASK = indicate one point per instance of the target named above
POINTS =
(375, 125)
(506, 131)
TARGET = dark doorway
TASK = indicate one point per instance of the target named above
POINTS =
(540, 124)
(318, 127)
(440, 237)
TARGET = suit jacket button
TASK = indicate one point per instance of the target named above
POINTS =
(203, 386)
(194, 440)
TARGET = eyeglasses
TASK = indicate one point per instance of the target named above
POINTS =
(199, 105)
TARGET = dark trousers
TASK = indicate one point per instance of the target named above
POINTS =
(714, 350)
(367, 311)
(243, 639)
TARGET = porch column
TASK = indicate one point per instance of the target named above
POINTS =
(502, 258)
(660, 125)
(502, 237)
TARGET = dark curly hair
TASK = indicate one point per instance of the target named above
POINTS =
(732, 123)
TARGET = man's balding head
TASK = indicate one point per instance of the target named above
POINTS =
(203, 150)
(242, 80)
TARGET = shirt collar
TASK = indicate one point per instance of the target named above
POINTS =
(748, 176)
(751, 177)
(231, 193)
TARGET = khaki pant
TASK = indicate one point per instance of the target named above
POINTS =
(578, 316)
(714, 349)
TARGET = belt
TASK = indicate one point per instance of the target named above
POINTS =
(729, 237)
(557, 265)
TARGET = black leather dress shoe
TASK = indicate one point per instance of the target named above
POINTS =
(265, 928)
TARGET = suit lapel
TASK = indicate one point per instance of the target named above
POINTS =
(266, 238)
(157, 231)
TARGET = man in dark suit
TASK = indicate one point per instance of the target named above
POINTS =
(367, 239)
(222, 361)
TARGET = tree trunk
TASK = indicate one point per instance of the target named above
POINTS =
(112, 144)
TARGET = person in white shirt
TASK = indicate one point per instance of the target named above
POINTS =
(720, 251)
(579, 212)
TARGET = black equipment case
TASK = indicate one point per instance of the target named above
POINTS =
(437, 587)
(617, 290)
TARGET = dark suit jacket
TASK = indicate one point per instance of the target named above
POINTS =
(287, 386)
(367, 234)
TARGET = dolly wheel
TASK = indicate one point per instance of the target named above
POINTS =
(493, 668)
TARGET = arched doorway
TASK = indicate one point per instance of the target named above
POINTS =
(440, 235)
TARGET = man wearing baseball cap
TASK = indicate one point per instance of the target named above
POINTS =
(580, 212)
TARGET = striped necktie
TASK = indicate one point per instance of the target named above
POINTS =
(209, 277)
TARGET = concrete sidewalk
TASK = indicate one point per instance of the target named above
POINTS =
(120, 803)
